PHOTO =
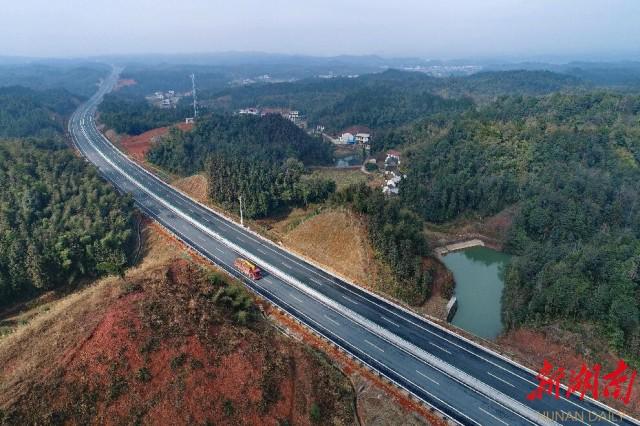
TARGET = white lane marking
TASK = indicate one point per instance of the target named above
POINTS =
(374, 345)
(332, 320)
(374, 302)
(502, 380)
(364, 362)
(489, 414)
(315, 281)
(103, 155)
(427, 377)
(261, 251)
(266, 279)
(219, 249)
(286, 265)
(401, 314)
(349, 299)
(440, 347)
(389, 321)
(295, 297)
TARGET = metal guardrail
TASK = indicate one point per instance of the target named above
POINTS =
(372, 327)
(391, 338)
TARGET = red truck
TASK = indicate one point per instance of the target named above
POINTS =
(248, 268)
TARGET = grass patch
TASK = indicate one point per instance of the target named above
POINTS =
(342, 177)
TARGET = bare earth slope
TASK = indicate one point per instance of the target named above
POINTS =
(162, 344)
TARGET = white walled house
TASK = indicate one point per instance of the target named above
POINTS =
(362, 138)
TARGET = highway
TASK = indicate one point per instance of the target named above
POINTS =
(461, 380)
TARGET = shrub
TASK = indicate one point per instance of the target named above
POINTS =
(314, 413)
(143, 375)
(228, 408)
(178, 361)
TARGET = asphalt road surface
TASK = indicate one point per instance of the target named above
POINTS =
(462, 381)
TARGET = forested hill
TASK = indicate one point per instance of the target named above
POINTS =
(488, 85)
(271, 138)
(81, 79)
(390, 98)
(571, 164)
(386, 106)
(261, 159)
(59, 221)
(134, 115)
(28, 112)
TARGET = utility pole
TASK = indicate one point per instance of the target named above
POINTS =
(241, 218)
(193, 93)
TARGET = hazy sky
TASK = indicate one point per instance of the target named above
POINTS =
(425, 28)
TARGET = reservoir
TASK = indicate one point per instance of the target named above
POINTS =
(479, 276)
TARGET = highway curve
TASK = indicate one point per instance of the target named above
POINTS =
(464, 382)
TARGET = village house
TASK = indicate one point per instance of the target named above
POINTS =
(360, 135)
(294, 116)
(249, 111)
(362, 138)
(393, 156)
(347, 138)
(392, 183)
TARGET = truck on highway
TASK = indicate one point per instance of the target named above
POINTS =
(248, 268)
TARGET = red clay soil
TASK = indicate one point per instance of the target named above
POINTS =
(137, 146)
(166, 349)
(124, 82)
(348, 366)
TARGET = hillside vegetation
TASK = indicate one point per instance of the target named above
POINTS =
(78, 78)
(389, 99)
(571, 164)
(560, 155)
(261, 159)
(397, 237)
(170, 340)
(59, 221)
(27, 112)
(135, 115)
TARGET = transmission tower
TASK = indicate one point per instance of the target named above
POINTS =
(193, 92)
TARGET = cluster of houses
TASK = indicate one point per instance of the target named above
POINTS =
(354, 135)
(265, 78)
(292, 115)
(393, 177)
(168, 99)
